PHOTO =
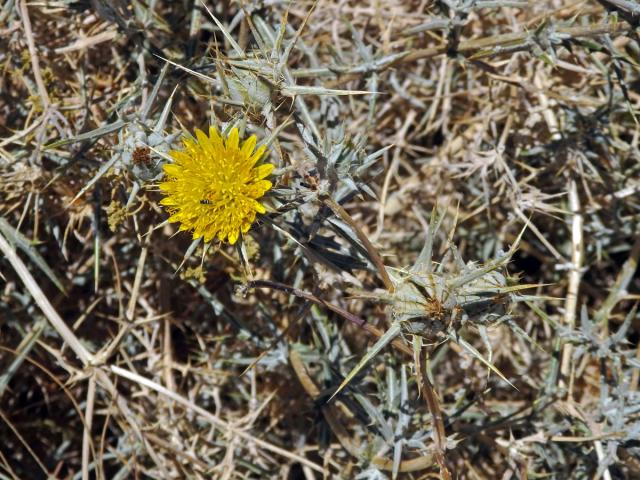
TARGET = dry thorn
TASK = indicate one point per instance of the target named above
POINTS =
(35, 65)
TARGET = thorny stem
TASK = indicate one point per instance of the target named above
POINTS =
(371, 250)
(510, 39)
(439, 437)
(575, 274)
(571, 303)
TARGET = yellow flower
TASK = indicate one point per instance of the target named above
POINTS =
(213, 186)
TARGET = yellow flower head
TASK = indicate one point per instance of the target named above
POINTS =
(213, 186)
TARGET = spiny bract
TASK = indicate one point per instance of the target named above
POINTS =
(213, 186)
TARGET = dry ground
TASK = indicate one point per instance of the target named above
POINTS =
(463, 173)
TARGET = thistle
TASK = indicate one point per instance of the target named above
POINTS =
(213, 186)
(434, 302)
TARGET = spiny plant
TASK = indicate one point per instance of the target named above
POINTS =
(436, 302)
(194, 358)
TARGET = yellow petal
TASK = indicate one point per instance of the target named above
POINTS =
(259, 207)
(257, 155)
(262, 171)
(257, 189)
(169, 201)
(216, 141)
(198, 231)
(247, 147)
(211, 233)
(166, 186)
(179, 156)
(205, 143)
(189, 144)
(233, 237)
(232, 140)
(172, 169)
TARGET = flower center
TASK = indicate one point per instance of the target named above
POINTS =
(222, 196)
